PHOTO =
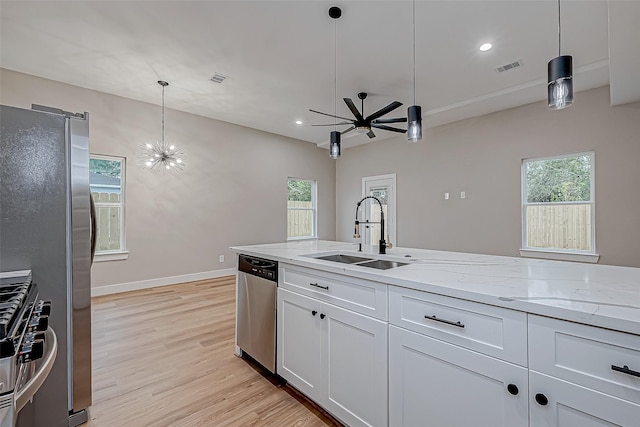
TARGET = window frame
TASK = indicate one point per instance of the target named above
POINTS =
(314, 209)
(590, 256)
(122, 253)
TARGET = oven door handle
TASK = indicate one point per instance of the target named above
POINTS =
(26, 393)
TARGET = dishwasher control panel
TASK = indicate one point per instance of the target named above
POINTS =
(260, 267)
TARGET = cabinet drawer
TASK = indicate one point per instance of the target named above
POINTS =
(494, 331)
(586, 355)
(361, 296)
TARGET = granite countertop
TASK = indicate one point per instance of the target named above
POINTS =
(598, 295)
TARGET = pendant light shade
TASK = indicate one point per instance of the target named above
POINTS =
(560, 84)
(334, 144)
(560, 77)
(414, 113)
(414, 123)
(334, 139)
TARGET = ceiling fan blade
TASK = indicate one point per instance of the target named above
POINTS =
(381, 112)
(331, 115)
(370, 134)
(348, 130)
(336, 124)
(394, 120)
(383, 127)
(353, 109)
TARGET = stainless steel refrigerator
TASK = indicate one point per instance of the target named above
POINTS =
(46, 227)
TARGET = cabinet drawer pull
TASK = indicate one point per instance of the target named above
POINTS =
(313, 312)
(448, 322)
(625, 370)
(513, 389)
(322, 315)
(320, 286)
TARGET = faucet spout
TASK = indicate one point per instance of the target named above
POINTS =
(382, 244)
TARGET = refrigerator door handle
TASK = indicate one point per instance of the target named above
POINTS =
(94, 228)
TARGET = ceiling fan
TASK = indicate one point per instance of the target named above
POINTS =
(361, 123)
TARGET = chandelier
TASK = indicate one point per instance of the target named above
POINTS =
(161, 155)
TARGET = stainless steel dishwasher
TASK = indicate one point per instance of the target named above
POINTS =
(256, 316)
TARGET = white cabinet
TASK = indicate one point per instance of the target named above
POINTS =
(559, 403)
(435, 383)
(582, 376)
(337, 357)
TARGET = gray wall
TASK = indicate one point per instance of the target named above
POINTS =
(232, 192)
(482, 156)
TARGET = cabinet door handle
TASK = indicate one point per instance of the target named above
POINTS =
(313, 312)
(542, 399)
(448, 322)
(625, 370)
(326, 288)
(322, 315)
(513, 389)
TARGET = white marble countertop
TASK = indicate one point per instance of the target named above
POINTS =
(598, 295)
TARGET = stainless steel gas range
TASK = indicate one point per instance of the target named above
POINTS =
(27, 344)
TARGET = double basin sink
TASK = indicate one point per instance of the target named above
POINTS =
(380, 264)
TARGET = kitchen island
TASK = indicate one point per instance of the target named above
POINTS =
(516, 341)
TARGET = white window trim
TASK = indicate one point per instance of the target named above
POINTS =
(553, 253)
(314, 210)
(122, 253)
(111, 256)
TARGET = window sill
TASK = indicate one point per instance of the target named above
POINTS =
(560, 256)
(111, 256)
(293, 239)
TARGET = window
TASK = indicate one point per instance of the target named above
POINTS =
(301, 209)
(106, 180)
(558, 207)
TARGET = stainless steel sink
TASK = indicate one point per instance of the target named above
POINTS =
(382, 264)
(346, 259)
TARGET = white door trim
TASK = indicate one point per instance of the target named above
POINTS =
(391, 208)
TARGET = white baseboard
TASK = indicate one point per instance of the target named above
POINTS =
(162, 281)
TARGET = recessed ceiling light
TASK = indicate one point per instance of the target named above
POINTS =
(485, 47)
(298, 122)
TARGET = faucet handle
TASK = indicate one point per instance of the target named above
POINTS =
(389, 245)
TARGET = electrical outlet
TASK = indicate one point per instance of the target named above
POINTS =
(221, 258)
(463, 194)
(446, 196)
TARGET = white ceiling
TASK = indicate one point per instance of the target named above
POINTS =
(279, 55)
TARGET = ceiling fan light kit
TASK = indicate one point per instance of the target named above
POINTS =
(560, 77)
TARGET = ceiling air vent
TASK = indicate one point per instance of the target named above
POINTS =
(218, 78)
(510, 66)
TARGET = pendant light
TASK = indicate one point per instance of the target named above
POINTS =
(334, 140)
(161, 155)
(414, 113)
(560, 81)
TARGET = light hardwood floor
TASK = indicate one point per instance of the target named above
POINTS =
(165, 357)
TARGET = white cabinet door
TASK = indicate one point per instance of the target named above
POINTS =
(433, 383)
(356, 367)
(558, 403)
(299, 340)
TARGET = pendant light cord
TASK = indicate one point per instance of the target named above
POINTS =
(335, 72)
(414, 52)
(162, 114)
(559, 32)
